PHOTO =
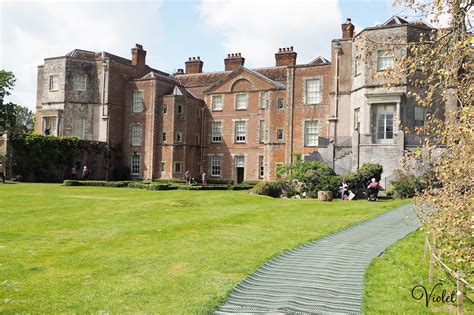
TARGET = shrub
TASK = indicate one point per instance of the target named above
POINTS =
(71, 183)
(161, 186)
(327, 183)
(406, 184)
(272, 189)
(139, 185)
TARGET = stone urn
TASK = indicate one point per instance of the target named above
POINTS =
(324, 195)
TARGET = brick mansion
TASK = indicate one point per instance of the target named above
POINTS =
(239, 123)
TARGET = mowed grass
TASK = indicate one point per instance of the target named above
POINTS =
(92, 249)
(389, 281)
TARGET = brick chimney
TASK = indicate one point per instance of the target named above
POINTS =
(194, 65)
(285, 57)
(233, 61)
(138, 57)
(347, 29)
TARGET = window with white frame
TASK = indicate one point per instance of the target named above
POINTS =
(261, 167)
(137, 135)
(177, 167)
(279, 134)
(179, 137)
(137, 105)
(135, 163)
(419, 116)
(240, 131)
(54, 83)
(217, 102)
(163, 166)
(313, 91)
(384, 123)
(77, 129)
(261, 100)
(384, 60)
(216, 131)
(311, 133)
(241, 101)
(261, 131)
(280, 103)
(50, 125)
(79, 82)
(163, 136)
(165, 108)
(216, 162)
(357, 65)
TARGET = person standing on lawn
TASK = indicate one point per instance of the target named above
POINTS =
(187, 175)
(85, 173)
(203, 178)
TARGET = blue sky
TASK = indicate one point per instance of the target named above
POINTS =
(172, 31)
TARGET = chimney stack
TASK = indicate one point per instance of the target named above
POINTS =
(285, 57)
(233, 61)
(194, 65)
(178, 72)
(347, 29)
(138, 57)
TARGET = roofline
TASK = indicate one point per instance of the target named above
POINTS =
(375, 28)
(242, 68)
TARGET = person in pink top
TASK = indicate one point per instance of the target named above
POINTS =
(373, 187)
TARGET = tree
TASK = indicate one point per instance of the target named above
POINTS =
(13, 117)
(440, 66)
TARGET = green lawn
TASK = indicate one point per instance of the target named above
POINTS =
(390, 279)
(91, 249)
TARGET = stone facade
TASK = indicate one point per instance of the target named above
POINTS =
(240, 123)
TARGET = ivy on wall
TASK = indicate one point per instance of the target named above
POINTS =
(42, 158)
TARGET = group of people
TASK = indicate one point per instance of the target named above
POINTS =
(85, 172)
(192, 180)
(347, 194)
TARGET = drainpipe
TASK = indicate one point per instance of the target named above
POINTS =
(152, 131)
(338, 49)
(292, 71)
(105, 116)
(201, 140)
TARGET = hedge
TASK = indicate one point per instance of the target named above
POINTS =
(95, 183)
(156, 185)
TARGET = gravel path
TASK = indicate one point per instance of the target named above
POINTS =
(324, 276)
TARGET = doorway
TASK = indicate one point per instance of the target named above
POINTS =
(240, 168)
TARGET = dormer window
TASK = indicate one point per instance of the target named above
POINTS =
(80, 82)
(384, 60)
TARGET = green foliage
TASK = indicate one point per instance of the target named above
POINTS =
(13, 117)
(96, 183)
(406, 185)
(50, 159)
(327, 183)
(315, 176)
(266, 188)
(364, 174)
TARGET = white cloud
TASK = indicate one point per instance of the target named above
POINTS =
(258, 28)
(31, 31)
